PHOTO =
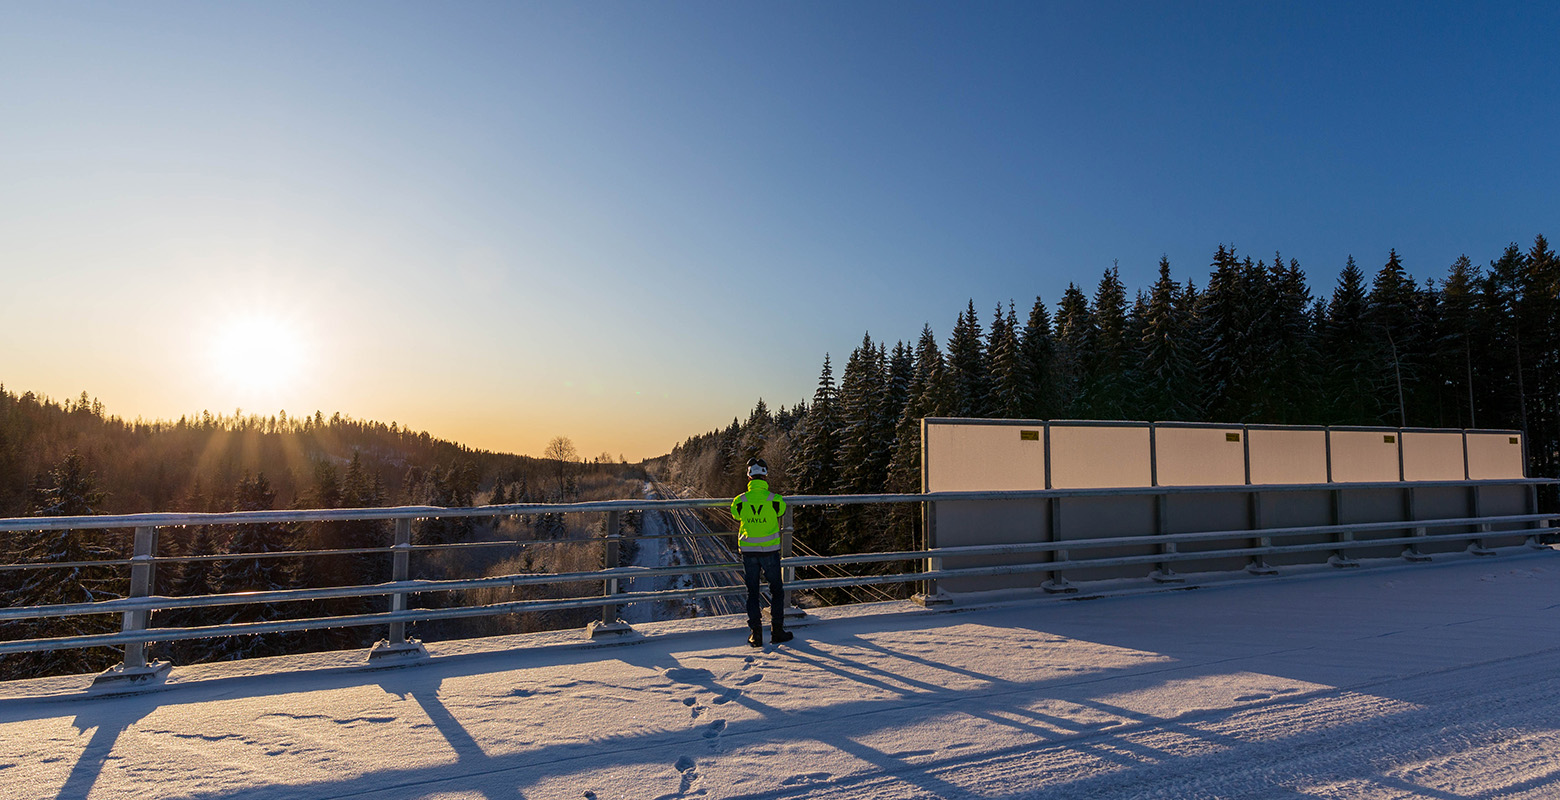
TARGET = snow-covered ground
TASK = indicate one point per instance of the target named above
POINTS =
(1417, 681)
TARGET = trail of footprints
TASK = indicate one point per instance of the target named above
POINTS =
(685, 765)
(712, 730)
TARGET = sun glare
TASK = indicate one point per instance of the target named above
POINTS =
(258, 353)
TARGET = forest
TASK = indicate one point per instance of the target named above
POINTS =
(1477, 348)
(72, 458)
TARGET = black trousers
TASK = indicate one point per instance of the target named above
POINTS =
(766, 565)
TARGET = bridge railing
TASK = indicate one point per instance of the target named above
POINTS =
(924, 567)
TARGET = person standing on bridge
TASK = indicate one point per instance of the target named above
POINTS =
(759, 512)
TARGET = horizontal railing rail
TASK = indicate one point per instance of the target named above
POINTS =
(126, 521)
(137, 608)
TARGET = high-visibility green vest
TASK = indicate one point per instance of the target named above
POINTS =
(759, 511)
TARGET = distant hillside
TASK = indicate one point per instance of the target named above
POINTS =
(194, 464)
(74, 459)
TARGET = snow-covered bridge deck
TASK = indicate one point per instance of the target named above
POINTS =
(1435, 681)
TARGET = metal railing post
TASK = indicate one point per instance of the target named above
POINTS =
(1530, 499)
(400, 570)
(790, 612)
(140, 586)
(1476, 502)
(930, 595)
(610, 623)
(397, 645)
(1256, 521)
(1057, 584)
(1340, 557)
(1411, 551)
(135, 669)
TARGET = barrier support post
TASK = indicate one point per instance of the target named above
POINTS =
(1057, 583)
(136, 671)
(1340, 557)
(1162, 572)
(1254, 520)
(930, 596)
(610, 623)
(1411, 551)
(792, 613)
(397, 646)
(1476, 502)
(1534, 542)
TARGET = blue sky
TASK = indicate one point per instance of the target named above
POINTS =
(625, 222)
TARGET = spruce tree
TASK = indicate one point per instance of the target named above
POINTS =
(1165, 383)
(1106, 377)
(862, 399)
(1454, 340)
(756, 433)
(1541, 321)
(967, 366)
(1289, 384)
(1075, 334)
(69, 490)
(1221, 318)
(254, 574)
(863, 462)
(1009, 380)
(817, 465)
(900, 374)
(1352, 351)
(1036, 352)
(1389, 310)
(904, 468)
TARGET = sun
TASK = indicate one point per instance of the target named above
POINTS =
(258, 353)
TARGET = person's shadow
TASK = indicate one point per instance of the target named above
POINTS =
(107, 722)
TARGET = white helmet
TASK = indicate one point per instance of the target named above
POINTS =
(757, 468)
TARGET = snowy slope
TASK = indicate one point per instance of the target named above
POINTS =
(1434, 681)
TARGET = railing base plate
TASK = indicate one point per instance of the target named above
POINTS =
(1261, 568)
(1342, 562)
(1059, 586)
(1166, 576)
(384, 652)
(121, 678)
(931, 600)
(1415, 556)
(1479, 550)
(794, 615)
(615, 628)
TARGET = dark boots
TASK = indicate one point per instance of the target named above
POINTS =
(777, 635)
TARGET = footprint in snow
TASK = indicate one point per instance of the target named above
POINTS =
(1251, 698)
(690, 676)
(754, 678)
(714, 729)
(811, 777)
(686, 766)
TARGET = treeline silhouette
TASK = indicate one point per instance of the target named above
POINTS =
(73, 459)
(1479, 347)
